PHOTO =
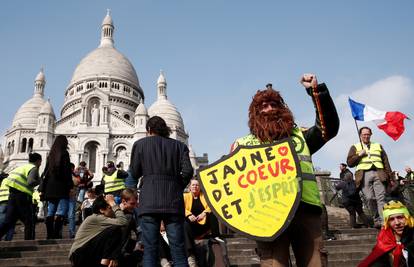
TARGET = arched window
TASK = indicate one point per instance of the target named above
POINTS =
(23, 147)
(41, 142)
(12, 147)
(127, 117)
(30, 147)
(8, 148)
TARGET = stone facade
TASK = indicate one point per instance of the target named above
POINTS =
(103, 112)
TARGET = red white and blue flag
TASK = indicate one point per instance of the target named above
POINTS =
(391, 122)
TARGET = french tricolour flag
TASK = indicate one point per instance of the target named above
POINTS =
(392, 123)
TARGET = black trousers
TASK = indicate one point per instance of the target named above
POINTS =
(106, 245)
(353, 209)
(193, 230)
(19, 207)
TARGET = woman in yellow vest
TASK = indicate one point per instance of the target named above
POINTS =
(199, 219)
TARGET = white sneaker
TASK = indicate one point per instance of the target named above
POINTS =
(165, 263)
(218, 239)
(192, 261)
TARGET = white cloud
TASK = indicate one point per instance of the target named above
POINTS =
(394, 93)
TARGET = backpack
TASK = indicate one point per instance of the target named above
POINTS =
(349, 189)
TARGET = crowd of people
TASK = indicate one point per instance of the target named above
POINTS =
(108, 213)
(166, 221)
(374, 184)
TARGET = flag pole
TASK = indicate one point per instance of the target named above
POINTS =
(359, 136)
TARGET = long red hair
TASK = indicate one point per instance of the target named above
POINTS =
(270, 126)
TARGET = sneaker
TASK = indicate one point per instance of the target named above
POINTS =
(218, 239)
(192, 261)
(165, 263)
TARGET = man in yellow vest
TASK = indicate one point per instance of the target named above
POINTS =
(114, 180)
(372, 171)
(270, 119)
(4, 198)
(21, 182)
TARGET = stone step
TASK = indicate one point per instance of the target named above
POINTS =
(244, 260)
(36, 242)
(46, 265)
(35, 261)
(38, 253)
(350, 248)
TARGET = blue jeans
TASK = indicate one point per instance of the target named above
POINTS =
(58, 207)
(72, 217)
(174, 225)
(10, 233)
(81, 194)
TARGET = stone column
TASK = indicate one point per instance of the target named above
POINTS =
(84, 115)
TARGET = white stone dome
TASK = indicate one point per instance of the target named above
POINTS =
(105, 61)
(47, 109)
(141, 109)
(28, 113)
(166, 110)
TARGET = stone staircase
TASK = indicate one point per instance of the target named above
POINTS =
(351, 246)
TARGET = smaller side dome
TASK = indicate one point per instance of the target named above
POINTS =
(47, 109)
(141, 109)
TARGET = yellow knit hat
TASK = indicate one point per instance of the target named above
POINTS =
(396, 207)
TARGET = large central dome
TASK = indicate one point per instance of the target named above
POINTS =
(105, 61)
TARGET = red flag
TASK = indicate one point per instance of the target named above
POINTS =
(394, 124)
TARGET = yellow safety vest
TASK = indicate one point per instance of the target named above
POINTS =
(113, 183)
(310, 190)
(374, 157)
(4, 191)
(18, 179)
(36, 197)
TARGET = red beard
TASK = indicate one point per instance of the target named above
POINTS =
(272, 126)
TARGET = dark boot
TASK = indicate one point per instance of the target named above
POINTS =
(352, 220)
(50, 227)
(58, 227)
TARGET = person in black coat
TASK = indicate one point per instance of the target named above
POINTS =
(165, 168)
(350, 197)
(56, 186)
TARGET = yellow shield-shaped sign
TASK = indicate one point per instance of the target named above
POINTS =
(255, 190)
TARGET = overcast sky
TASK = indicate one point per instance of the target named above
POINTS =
(216, 54)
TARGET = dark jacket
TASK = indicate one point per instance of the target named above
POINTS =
(353, 160)
(327, 121)
(165, 167)
(350, 195)
(58, 182)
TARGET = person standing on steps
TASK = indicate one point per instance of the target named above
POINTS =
(56, 186)
(21, 182)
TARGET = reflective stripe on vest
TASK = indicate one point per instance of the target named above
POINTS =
(112, 183)
(310, 190)
(18, 179)
(4, 191)
(36, 197)
(374, 157)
